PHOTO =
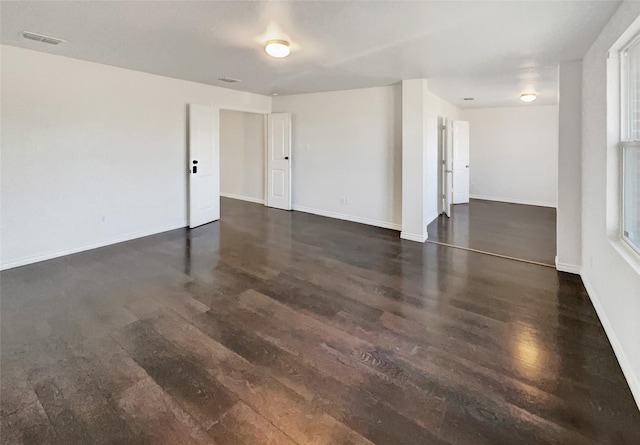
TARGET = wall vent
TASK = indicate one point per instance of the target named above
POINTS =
(41, 38)
(228, 79)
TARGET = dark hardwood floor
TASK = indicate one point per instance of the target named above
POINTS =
(275, 327)
(515, 230)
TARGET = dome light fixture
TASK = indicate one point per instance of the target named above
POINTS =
(277, 48)
(528, 97)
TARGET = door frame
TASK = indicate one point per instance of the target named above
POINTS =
(444, 161)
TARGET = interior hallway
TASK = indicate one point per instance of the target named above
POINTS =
(295, 328)
(514, 230)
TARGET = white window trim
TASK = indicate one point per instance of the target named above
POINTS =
(625, 133)
(625, 239)
(616, 100)
(624, 97)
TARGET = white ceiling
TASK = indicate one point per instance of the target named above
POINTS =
(487, 50)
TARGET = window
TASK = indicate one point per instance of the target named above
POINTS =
(631, 144)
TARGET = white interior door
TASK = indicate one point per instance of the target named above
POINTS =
(279, 161)
(460, 162)
(447, 168)
(204, 166)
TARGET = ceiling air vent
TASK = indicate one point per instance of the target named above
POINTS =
(41, 38)
(228, 79)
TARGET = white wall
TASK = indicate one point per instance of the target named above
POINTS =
(93, 154)
(415, 127)
(347, 144)
(436, 106)
(611, 277)
(514, 154)
(242, 155)
(569, 221)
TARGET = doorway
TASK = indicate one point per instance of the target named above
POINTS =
(242, 155)
(238, 154)
(471, 221)
(255, 157)
(453, 158)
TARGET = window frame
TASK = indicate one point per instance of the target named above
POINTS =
(626, 141)
(624, 146)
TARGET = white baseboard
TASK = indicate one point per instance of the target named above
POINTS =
(569, 268)
(625, 364)
(357, 219)
(242, 198)
(514, 201)
(414, 237)
(118, 239)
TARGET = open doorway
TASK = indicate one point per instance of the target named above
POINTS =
(255, 157)
(238, 154)
(499, 182)
(242, 155)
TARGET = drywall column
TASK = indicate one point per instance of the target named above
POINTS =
(569, 216)
(414, 181)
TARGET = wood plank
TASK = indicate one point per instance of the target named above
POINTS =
(293, 328)
(242, 425)
(286, 410)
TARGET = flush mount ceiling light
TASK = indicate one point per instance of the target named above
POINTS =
(277, 48)
(528, 97)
